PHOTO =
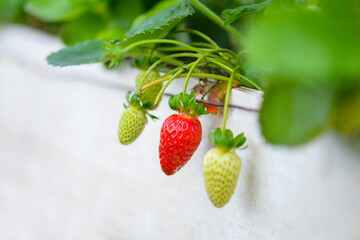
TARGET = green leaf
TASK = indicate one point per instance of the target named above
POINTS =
(238, 141)
(309, 53)
(81, 53)
(160, 6)
(229, 134)
(127, 96)
(293, 114)
(192, 103)
(135, 99)
(200, 109)
(159, 24)
(85, 27)
(211, 137)
(153, 117)
(111, 32)
(174, 102)
(52, 10)
(221, 141)
(231, 15)
(125, 11)
(185, 100)
(9, 9)
(147, 104)
(192, 94)
(253, 72)
(87, 2)
(307, 47)
(218, 137)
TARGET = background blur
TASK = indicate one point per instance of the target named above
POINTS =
(63, 174)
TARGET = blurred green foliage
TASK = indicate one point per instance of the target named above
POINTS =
(310, 57)
(9, 9)
(79, 20)
(165, 18)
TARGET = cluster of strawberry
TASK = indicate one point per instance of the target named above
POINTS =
(180, 137)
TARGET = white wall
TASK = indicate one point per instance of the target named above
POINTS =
(63, 174)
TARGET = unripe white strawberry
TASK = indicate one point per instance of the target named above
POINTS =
(221, 166)
(221, 172)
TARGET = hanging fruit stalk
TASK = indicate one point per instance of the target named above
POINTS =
(221, 165)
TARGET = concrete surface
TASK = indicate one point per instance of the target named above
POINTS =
(63, 174)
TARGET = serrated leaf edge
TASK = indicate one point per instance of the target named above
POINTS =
(161, 27)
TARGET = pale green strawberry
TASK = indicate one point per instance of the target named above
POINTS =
(151, 92)
(221, 167)
(221, 172)
(132, 123)
(133, 119)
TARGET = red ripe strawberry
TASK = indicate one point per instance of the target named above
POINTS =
(180, 133)
(180, 137)
(212, 109)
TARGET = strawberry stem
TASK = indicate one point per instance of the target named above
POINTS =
(226, 106)
(179, 49)
(163, 59)
(200, 34)
(251, 82)
(169, 41)
(138, 53)
(217, 60)
(231, 53)
(191, 70)
(210, 52)
(176, 69)
(230, 70)
(202, 45)
(217, 19)
(157, 100)
(200, 75)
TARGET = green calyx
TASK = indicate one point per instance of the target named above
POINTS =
(186, 103)
(144, 63)
(134, 100)
(114, 54)
(225, 140)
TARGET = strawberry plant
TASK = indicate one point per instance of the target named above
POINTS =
(303, 54)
